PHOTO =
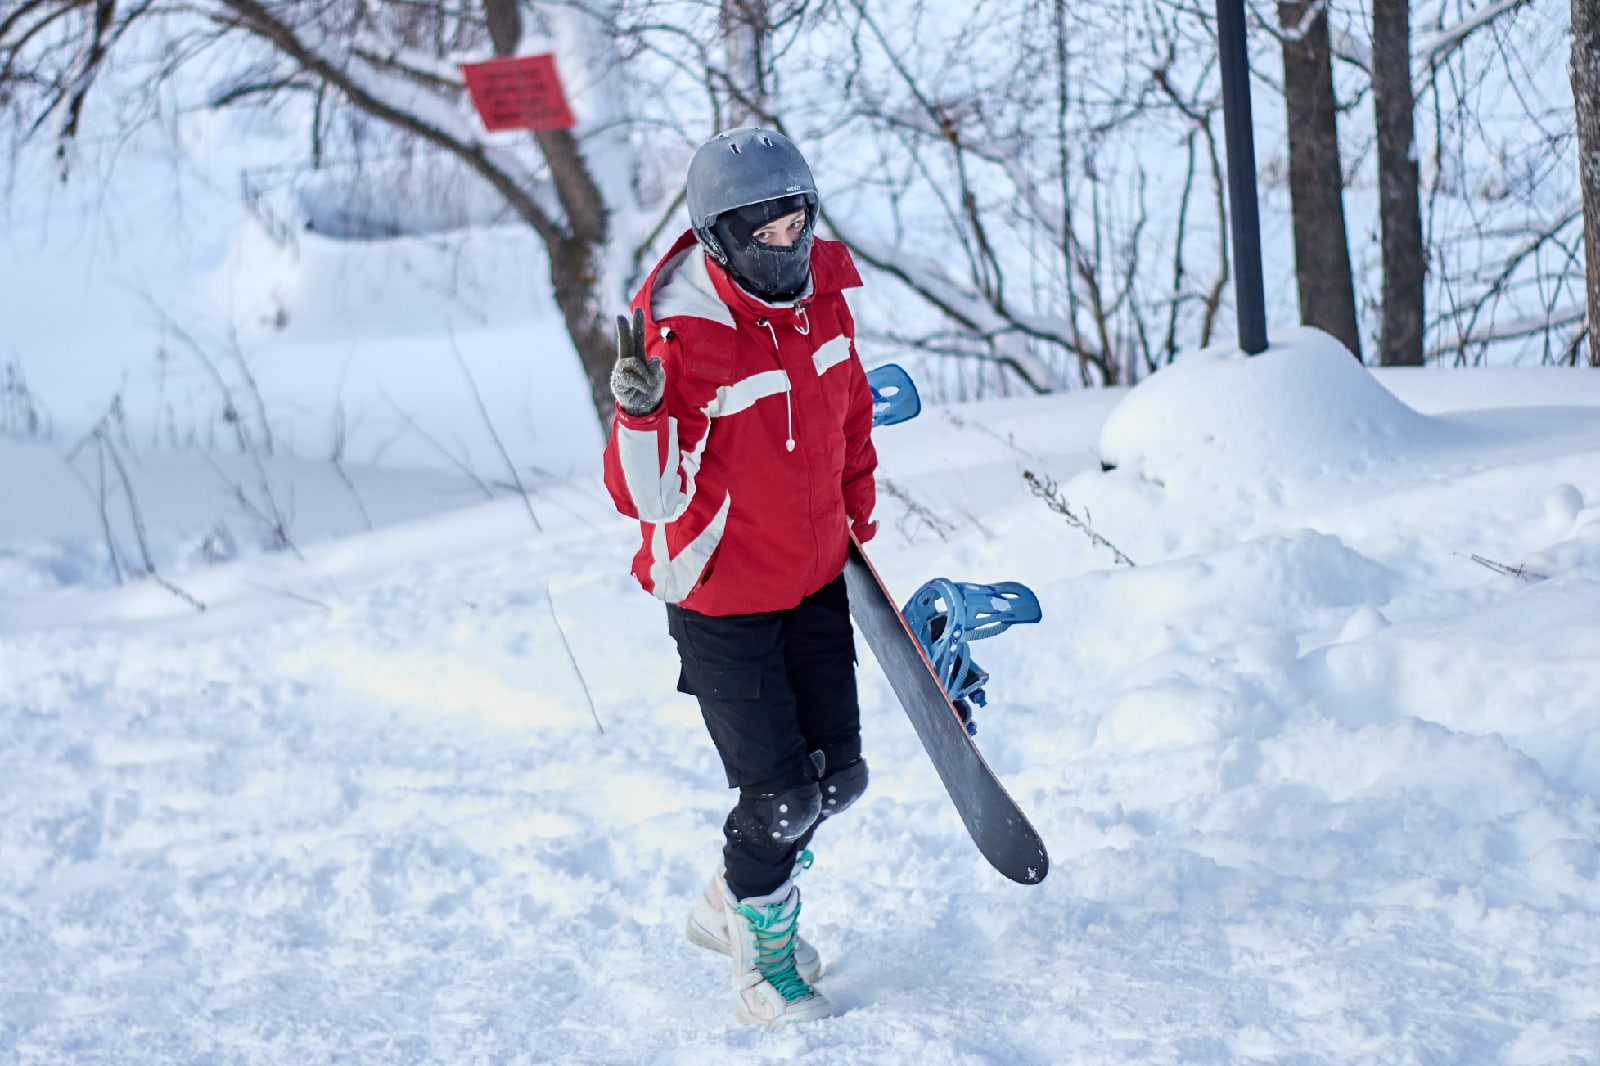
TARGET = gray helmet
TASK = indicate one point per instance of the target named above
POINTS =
(741, 167)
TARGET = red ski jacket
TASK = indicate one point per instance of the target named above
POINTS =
(750, 476)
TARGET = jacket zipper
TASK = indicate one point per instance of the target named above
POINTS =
(788, 387)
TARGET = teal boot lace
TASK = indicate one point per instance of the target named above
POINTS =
(774, 940)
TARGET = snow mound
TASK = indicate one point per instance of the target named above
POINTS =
(1220, 421)
(389, 198)
(1246, 601)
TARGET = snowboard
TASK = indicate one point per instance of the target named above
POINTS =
(996, 824)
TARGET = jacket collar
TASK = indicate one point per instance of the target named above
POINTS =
(832, 271)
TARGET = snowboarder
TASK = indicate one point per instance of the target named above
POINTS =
(742, 444)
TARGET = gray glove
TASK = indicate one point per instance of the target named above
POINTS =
(635, 382)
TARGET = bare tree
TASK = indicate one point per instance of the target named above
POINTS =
(1316, 176)
(1038, 252)
(1051, 221)
(1585, 70)
(390, 63)
(1504, 207)
(1399, 203)
(747, 33)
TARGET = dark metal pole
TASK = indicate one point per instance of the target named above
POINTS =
(1248, 293)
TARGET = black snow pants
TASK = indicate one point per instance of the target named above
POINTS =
(774, 688)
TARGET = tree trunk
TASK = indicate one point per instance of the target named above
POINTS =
(1585, 71)
(1316, 180)
(574, 270)
(746, 33)
(575, 264)
(505, 25)
(574, 255)
(1399, 205)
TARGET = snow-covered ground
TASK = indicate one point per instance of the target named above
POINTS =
(389, 766)
(1318, 786)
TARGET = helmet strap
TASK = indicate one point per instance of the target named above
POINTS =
(713, 247)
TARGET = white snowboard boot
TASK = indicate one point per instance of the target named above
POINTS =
(708, 925)
(763, 931)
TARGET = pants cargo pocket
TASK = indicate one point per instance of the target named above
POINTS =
(721, 685)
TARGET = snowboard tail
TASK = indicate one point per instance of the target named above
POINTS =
(996, 824)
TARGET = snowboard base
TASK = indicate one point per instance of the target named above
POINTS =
(996, 824)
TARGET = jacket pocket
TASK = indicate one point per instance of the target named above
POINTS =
(741, 683)
(705, 575)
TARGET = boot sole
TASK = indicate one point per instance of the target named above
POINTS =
(789, 1019)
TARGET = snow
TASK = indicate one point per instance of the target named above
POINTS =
(1317, 787)
(1318, 775)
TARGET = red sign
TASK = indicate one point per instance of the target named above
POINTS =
(521, 93)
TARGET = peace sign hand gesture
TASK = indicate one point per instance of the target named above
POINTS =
(637, 383)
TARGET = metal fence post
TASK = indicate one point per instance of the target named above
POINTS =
(1244, 215)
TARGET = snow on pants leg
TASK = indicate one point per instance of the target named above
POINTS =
(773, 688)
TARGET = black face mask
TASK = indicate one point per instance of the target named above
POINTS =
(772, 273)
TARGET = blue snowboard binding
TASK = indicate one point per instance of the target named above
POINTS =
(945, 615)
(894, 395)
